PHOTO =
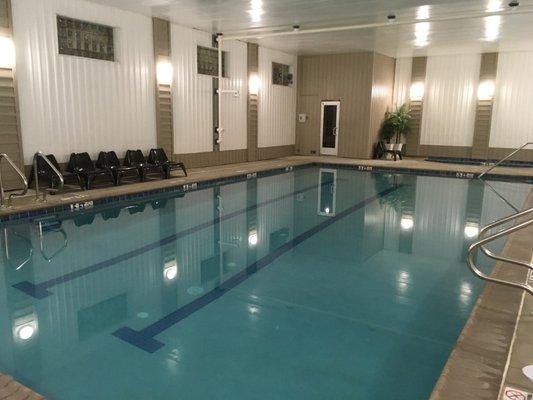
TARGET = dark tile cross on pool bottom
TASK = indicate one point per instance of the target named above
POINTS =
(40, 290)
(145, 338)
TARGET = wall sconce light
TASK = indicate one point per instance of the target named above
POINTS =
(25, 328)
(407, 222)
(254, 84)
(165, 73)
(485, 91)
(253, 239)
(471, 230)
(416, 93)
(7, 52)
(170, 270)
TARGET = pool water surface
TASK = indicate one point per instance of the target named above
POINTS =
(318, 283)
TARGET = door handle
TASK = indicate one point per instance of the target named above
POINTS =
(335, 131)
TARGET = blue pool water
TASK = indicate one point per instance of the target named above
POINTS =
(312, 284)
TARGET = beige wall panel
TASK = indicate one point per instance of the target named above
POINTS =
(382, 91)
(267, 153)
(212, 158)
(10, 134)
(444, 151)
(343, 77)
(253, 103)
(163, 93)
(307, 138)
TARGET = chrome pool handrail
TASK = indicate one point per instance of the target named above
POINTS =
(490, 254)
(484, 240)
(7, 252)
(2, 191)
(505, 159)
(36, 177)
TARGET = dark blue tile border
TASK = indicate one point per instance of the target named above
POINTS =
(145, 338)
(181, 189)
(41, 290)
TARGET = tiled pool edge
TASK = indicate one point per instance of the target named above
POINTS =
(12, 390)
(477, 365)
(174, 188)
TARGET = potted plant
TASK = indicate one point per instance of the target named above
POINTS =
(396, 125)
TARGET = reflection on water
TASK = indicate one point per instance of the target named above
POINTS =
(132, 266)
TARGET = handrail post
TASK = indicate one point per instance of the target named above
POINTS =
(20, 174)
(504, 159)
(484, 240)
(36, 177)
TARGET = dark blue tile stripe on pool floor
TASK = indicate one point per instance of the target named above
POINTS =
(144, 339)
(40, 290)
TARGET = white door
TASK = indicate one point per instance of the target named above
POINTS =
(329, 127)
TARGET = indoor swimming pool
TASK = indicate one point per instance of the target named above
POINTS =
(318, 283)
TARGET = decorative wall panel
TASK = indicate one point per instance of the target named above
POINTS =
(512, 119)
(72, 104)
(277, 104)
(234, 108)
(450, 100)
(192, 93)
(402, 81)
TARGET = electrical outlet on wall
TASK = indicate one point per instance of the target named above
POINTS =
(302, 118)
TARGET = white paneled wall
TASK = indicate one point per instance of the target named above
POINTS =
(512, 117)
(277, 104)
(450, 100)
(72, 104)
(402, 80)
(192, 93)
(234, 109)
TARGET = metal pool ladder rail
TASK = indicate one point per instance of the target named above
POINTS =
(36, 176)
(482, 241)
(505, 159)
(4, 156)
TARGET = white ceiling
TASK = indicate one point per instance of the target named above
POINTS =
(508, 32)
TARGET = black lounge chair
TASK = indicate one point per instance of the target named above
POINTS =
(135, 158)
(110, 162)
(45, 172)
(381, 150)
(159, 157)
(82, 165)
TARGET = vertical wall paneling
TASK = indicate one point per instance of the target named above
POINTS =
(381, 100)
(343, 77)
(253, 105)
(10, 134)
(481, 140)
(164, 122)
(234, 108)
(418, 74)
(402, 80)
(450, 100)
(277, 104)
(191, 94)
(512, 119)
(78, 104)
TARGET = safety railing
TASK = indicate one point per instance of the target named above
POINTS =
(505, 159)
(482, 241)
(4, 156)
(61, 180)
(8, 252)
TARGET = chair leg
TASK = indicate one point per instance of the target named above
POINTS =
(81, 182)
(184, 170)
(90, 180)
